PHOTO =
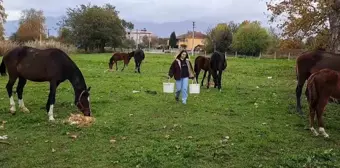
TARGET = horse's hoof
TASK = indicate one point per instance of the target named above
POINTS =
(315, 133)
(12, 112)
(51, 119)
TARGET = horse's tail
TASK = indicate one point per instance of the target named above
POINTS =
(3, 68)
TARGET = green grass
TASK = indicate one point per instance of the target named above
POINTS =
(269, 135)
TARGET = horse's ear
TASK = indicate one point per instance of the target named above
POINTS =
(88, 89)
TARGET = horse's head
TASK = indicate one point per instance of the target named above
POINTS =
(83, 102)
(111, 61)
(130, 55)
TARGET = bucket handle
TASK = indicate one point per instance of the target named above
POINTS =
(192, 81)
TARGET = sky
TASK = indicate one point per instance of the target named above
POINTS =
(157, 11)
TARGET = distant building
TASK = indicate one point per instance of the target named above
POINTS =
(137, 36)
(185, 41)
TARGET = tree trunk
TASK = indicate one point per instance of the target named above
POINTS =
(334, 23)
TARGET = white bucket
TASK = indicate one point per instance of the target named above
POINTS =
(194, 88)
(168, 87)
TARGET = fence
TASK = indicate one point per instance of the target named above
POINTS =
(279, 54)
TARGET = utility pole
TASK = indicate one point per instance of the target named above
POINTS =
(48, 33)
(193, 38)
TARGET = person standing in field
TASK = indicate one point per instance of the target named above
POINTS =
(181, 69)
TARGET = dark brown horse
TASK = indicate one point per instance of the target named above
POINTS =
(52, 65)
(119, 56)
(218, 63)
(138, 56)
(310, 62)
(202, 63)
(321, 86)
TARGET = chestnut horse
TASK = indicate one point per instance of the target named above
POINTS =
(118, 56)
(52, 65)
(321, 86)
(202, 62)
(310, 62)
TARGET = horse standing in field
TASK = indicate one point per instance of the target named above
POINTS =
(138, 56)
(52, 65)
(308, 63)
(218, 63)
(321, 85)
(118, 56)
(202, 62)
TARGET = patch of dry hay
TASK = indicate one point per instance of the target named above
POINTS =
(80, 120)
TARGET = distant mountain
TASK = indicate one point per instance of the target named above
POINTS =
(159, 29)
(51, 22)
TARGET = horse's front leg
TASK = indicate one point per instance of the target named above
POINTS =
(219, 80)
(51, 100)
(9, 88)
(116, 65)
(205, 73)
(209, 76)
(214, 74)
(123, 67)
(20, 90)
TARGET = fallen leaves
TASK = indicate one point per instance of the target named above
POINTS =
(2, 126)
(80, 120)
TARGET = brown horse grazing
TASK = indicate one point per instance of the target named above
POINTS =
(321, 86)
(202, 62)
(52, 65)
(118, 56)
(310, 62)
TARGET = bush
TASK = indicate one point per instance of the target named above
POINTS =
(69, 49)
(7, 45)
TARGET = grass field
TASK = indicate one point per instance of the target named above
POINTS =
(155, 131)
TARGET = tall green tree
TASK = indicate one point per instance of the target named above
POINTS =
(219, 38)
(307, 18)
(94, 27)
(251, 39)
(173, 40)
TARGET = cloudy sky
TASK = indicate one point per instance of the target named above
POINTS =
(157, 11)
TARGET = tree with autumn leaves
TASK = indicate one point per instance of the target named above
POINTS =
(31, 25)
(307, 19)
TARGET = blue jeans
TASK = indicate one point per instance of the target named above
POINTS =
(182, 86)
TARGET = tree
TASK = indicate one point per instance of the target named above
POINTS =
(233, 26)
(31, 25)
(145, 40)
(65, 35)
(306, 18)
(154, 41)
(251, 39)
(3, 17)
(318, 42)
(291, 43)
(94, 27)
(173, 40)
(219, 38)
